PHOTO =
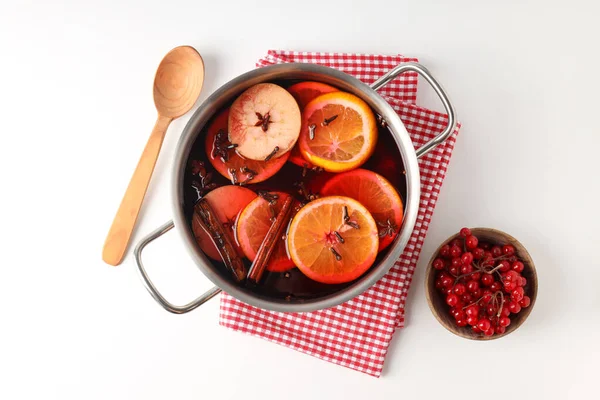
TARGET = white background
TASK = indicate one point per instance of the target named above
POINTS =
(76, 107)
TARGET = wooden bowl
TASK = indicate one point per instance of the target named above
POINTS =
(441, 310)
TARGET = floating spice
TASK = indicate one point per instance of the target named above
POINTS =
(270, 197)
(205, 216)
(275, 150)
(336, 254)
(311, 131)
(234, 178)
(347, 221)
(205, 184)
(388, 228)
(339, 237)
(268, 244)
(250, 174)
(220, 146)
(381, 121)
(329, 120)
(263, 121)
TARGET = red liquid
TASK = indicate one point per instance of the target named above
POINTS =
(292, 285)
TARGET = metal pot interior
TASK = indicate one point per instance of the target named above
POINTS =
(292, 291)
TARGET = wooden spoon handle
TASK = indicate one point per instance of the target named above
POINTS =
(124, 222)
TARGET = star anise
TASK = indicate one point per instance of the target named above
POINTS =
(204, 184)
(387, 228)
(263, 121)
(221, 146)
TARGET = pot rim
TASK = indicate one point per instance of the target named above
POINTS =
(308, 72)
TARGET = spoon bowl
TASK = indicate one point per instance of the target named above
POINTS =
(178, 81)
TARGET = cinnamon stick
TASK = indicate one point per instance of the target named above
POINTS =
(268, 244)
(205, 216)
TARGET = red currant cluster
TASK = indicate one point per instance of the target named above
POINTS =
(482, 283)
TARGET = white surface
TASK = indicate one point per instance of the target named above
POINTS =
(77, 108)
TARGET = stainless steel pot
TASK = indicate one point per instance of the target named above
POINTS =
(311, 72)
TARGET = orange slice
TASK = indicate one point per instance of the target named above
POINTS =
(227, 202)
(304, 93)
(375, 193)
(231, 162)
(252, 227)
(327, 249)
(338, 133)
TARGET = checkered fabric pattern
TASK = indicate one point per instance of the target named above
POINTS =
(357, 334)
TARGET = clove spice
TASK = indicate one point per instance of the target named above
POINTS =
(329, 120)
(336, 254)
(275, 150)
(311, 131)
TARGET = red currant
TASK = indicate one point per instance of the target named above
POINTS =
(451, 299)
(461, 322)
(467, 298)
(472, 320)
(466, 269)
(476, 276)
(472, 286)
(459, 289)
(477, 294)
(505, 311)
(484, 324)
(508, 250)
(504, 266)
(453, 270)
(445, 251)
(489, 332)
(523, 281)
(478, 253)
(487, 280)
(471, 242)
(487, 260)
(455, 251)
(504, 322)
(525, 302)
(490, 310)
(465, 232)
(472, 310)
(447, 291)
(487, 296)
(439, 264)
(496, 286)
(457, 262)
(514, 307)
(447, 281)
(500, 330)
(509, 286)
(517, 266)
(438, 284)
(456, 242)
(517, 294)
(467, 258)
(496, 251)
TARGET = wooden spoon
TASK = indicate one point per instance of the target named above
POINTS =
(177, 85)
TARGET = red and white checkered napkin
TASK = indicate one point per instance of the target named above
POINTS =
(357, 334)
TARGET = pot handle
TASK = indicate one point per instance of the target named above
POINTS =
(421, 70)
(150, 286)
